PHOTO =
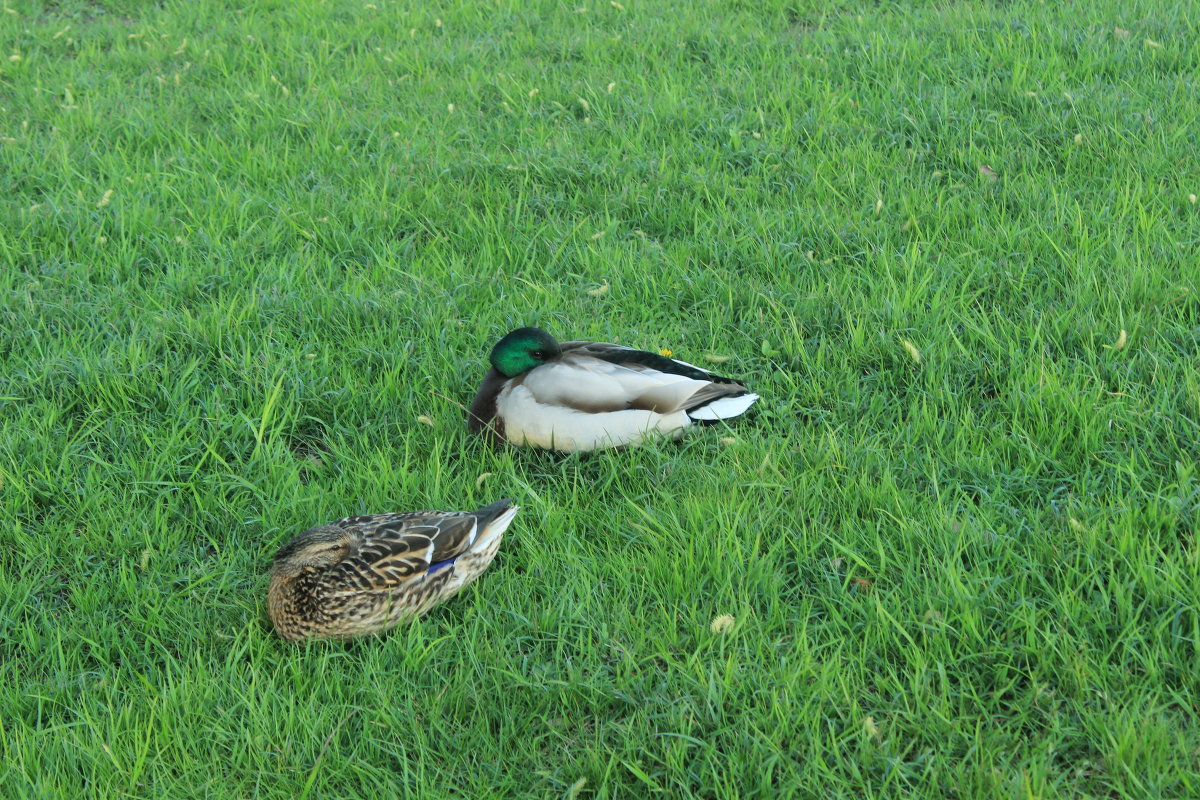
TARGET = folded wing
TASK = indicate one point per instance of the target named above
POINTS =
(598, 378)
(394, 549)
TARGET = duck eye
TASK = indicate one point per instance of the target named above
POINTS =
(539, 353)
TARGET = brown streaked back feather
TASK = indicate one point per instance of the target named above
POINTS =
(399, 547)
(389, 549)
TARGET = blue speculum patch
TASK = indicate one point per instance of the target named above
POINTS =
(439, 565)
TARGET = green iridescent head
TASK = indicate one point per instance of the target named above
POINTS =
(522, 350)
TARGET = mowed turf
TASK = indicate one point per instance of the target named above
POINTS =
(254, 255)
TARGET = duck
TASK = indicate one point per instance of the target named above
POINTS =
(581, 396)
(365, 574)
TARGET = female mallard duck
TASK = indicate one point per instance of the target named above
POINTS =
(588, 395)
(365, 574)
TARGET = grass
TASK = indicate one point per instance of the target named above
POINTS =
(246, 246)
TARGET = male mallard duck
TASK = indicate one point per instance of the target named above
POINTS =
(363, 575)
(588, 395)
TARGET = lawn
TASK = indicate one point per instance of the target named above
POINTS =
(253, 256)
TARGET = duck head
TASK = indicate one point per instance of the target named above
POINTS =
(522, 350)
(316, 547)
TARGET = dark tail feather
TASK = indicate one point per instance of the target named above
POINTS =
(489, 513)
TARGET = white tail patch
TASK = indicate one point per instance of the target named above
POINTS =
(496, 529)
(724, 408)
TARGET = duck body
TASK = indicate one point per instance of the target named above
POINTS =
(365, 574)
(590, 395)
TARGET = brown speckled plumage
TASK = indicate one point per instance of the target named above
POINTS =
(365, 574)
